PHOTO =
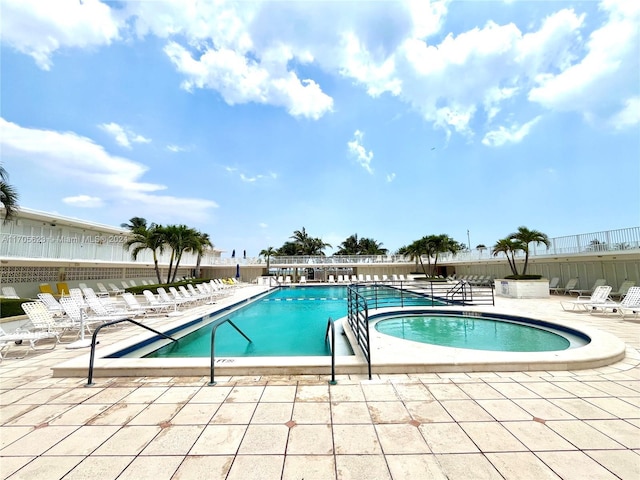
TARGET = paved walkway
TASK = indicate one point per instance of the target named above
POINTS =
(516, 425)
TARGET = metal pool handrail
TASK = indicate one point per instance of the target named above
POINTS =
(358, 318)
(95, 336)
(332, 328)
(216, 324)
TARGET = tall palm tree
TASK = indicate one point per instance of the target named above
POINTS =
(144, 238)
(415, 251)
(525, 237)
(368, 246)
(8, 196)
(442, 244)
(509, 248)
(135, 223)
(180, 238)
(350, 246)
(307, 245)
(203, 241)
(268, 253)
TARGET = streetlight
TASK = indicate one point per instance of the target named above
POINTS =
(468, 241)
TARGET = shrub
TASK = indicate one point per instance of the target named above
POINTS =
(523, 277)
(12, 307)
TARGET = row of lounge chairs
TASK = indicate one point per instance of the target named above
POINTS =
(600, 301)
(53, 319)
(571, 287)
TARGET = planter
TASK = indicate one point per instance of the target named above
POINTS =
(522, 288)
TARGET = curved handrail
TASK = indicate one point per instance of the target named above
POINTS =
(332, 328)
(215, 326)
(95, 336)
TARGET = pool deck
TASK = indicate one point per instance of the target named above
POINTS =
(463, 424)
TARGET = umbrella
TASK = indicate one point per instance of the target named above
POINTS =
(237, 270)
(233, 254)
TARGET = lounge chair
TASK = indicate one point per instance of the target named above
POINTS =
(43, 321)
(600, 295)
(20, 336)
(158, 305)
(376, 278)
(124, 284)
(631, 302)
(51, 303)
(46, 288)
(106, 309)
(166, 298)
(133, 306)
(303, 279)
(63, 288)
(143, 282)
(115, 289)
(332, 279)
(340, 278)
(9, 292)
(78, 297)
(368, 278)
(361, 277)
(80, 316)
(553, 284)
(598, 283)
(287, 279)
(622, 291)
(571, 284)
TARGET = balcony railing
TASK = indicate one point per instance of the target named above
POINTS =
(100, 249)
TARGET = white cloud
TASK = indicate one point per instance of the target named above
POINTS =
(629, 116)
(39, 29)
(255, 178)
(357, 150)
(79, 160)
(602, 77)
(177, 148)
(123, 136)
(85, 201)
(263, 225)
(391, 177)
(513, 134)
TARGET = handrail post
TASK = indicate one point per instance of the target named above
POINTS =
(331, 327)
(216, 324)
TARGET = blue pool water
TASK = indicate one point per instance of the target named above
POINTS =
(476, 332)
(288, 322)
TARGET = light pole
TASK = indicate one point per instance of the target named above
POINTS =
(468, 241)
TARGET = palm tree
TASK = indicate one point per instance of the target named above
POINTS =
(524, 236)
(144, 238)
(368, 246)
(307, 245)
(135, 223)
(350, 246)
(415, 251)
(180, 238)
(268, 253)
(509, 248)
(8, 196)
(442, 244)
(203, 241)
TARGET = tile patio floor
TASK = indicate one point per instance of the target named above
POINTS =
(514, 425)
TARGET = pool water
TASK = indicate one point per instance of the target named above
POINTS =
(477, 333)
(287, 322)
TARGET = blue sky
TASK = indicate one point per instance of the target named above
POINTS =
(392, 120)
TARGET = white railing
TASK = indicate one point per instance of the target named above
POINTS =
(109, 248)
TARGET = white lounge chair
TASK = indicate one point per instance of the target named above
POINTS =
(20, 336)
(133, 306)
(630, 302)
(42, 320)
(332, 279)
(158, 305)
(600, 295)
(376, 278)
(571, 284)
(553, 284)
(598, 283)
(622, 291)
(81, 315)
(51, 303)
(287, 279)
(115, 290)
(102, 290)
(9, 292)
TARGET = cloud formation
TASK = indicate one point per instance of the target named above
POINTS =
(80, 161)
(85, 201)
(359, 152)
(123, 136)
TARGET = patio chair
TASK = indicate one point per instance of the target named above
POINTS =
(132, 283)
(631, 302)
(21, 336)
(553, 284)
(180, 297)
(51, 303)
(133, 307)
(43, 321)
(599, 296)
(571, 284)
(46, 288)
(158, 305)
(63, 288)
(81, 316)
(332, 279)
(166, 298)
(599, 282)
(622, 291)
(78, 297)
(115, 290)
(9, 292)
(303, 279)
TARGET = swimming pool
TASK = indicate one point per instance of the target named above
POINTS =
(480, 332)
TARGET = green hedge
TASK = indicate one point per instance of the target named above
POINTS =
(12, 307)
(523, 277)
